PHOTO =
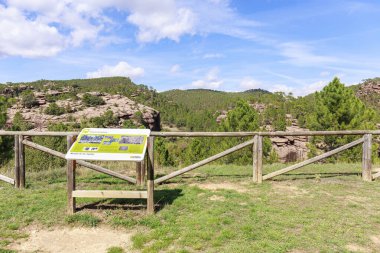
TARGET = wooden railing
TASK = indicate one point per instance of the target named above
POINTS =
(148, 166)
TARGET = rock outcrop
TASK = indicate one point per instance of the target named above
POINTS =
(122, 107)
(369, 87)
(291, 148)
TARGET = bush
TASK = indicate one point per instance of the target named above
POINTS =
(28, 100)
(107, 119)
(54, 109)
(91, 100)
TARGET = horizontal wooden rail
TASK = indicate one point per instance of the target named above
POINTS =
(376, 175)
(210, 134)
(314, 159)
(7, 179)
(80, 162)
(110, 194)
(36, 133)
(278, 133)
(203, 162)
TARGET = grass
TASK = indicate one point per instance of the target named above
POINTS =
(115, 250)
(320, 208)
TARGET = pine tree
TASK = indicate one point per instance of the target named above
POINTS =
(337, 108)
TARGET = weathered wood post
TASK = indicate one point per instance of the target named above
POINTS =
(367, 158)
(71, 166)
(150, 176)
(258, 159)
(17, 161)
(138, 173)
(21, 158)
(143, 170)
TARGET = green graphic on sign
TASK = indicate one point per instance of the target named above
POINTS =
(110, 144)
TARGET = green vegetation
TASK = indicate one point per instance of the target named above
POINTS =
(337, 108)
(28, 99)
(5, 141)
(323, 207)
(83, 219)
(115, 250)
(92, 100)
(54, 109)
(3, 111)
(107, 119)
(334, 108)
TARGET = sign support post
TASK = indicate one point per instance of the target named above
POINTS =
(103, 144)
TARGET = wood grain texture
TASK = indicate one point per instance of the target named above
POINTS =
(210, 134)
(7, 179)
(110, 194)
(71, 166)
(150, 176)
(17, 161)
(367, 158)
(21, 162)
(258, 159)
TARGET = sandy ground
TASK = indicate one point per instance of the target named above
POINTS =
(94, 240)
(222, 186)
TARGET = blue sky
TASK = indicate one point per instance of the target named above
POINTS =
(291, 46)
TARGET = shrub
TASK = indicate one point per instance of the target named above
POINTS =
(107, 119)
(91, 100)
(28, 100)
(54, 109)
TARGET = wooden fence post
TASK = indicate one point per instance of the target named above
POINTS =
(258, 159)
(367, 158)
(138, 173)
(71, 166)
(150, 176)
(21, 159)
(143, 170)
(17, 161)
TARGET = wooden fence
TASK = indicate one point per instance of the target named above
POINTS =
(147, 166)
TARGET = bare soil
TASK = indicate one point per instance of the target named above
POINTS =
(222, 186)
(65, 240)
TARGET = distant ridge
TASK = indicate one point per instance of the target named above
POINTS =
(204, 90)
(257, 91)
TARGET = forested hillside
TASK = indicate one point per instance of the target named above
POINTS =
(118, 102)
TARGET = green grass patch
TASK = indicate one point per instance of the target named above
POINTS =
(322, 207)
(115, 250)
(84, 219)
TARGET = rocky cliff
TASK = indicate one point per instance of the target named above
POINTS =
(122, 107)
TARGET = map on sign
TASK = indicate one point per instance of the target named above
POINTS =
(110, 144)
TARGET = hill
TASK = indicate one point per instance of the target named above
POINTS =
(194, 109)
(74, 104)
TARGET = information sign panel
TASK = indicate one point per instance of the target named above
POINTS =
(110, 144)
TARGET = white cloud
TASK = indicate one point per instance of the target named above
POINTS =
(281, 88)
(250, 83)
(212, 56)
(313, 87)
(302, 55)
(175, 68)
(163, 20)
(20, 36)
(57, 25)
(120, 69)
(324, 73)
(300, 91)
(210, 81)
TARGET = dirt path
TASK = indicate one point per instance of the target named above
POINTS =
(95, 240)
